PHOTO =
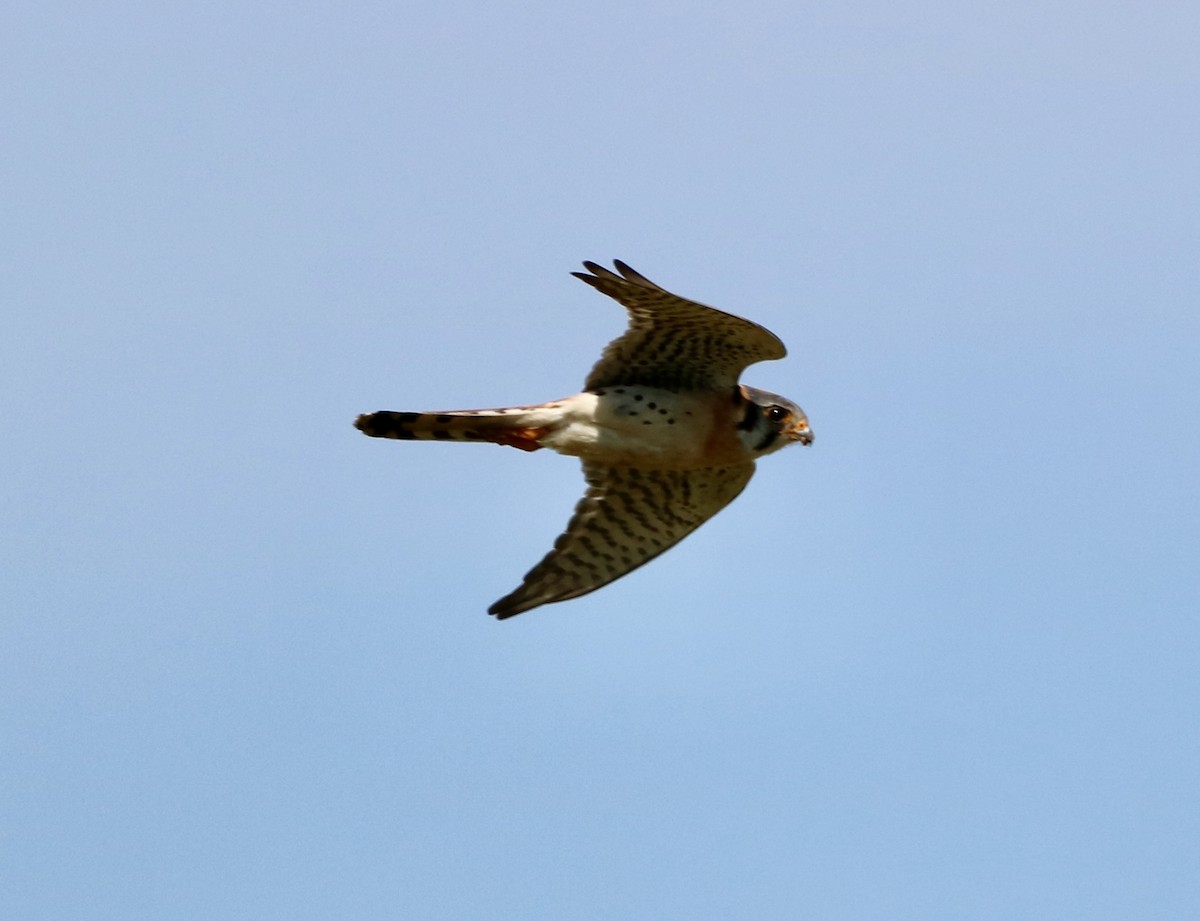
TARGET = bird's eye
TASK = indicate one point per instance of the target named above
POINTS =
(777, 413)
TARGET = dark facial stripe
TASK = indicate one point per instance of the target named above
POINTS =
(767, 441)
(750, 416)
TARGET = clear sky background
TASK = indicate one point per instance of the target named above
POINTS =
(940, 665)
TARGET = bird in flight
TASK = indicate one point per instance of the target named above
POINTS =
(666, 434)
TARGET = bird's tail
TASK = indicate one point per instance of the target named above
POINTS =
(515, 426)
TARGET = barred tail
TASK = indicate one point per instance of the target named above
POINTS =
(499, 426)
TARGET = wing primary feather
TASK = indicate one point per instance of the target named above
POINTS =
(635, 276)
(596, 269)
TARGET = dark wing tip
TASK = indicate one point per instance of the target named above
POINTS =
(509, 606)
(600, 273)
(632, 274)
(598, 270)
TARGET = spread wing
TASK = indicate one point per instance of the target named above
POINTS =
(627, 517)
(673, 342)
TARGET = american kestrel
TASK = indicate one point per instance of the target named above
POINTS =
(667, 435)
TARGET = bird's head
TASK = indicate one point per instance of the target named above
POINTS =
(771, 422)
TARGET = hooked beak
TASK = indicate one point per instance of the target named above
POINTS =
(801, 432)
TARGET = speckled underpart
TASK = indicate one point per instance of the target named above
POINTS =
(667, 435)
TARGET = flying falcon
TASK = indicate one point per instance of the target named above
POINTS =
(667, 435)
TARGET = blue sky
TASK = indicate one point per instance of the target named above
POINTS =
(941, 665)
